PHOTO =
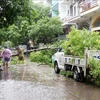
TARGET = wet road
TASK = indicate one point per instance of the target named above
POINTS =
(39, 82)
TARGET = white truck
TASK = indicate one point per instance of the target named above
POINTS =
(75, 64)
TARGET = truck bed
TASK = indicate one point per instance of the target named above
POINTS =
(74, 61)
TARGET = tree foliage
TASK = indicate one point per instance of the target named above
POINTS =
(79, 39)
(12, 9)
(46, 29)
(42, 11)
(22, 19)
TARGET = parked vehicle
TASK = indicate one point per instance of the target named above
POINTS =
(79, 66)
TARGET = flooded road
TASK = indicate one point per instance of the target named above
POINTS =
(39, 82)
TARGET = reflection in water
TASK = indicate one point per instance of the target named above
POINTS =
(25, 84)
(5, 74)
(40, 83)
(0, 75)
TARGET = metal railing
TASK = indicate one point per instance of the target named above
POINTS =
(86, 5)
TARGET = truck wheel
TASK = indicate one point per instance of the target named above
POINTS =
(56, 69)
(75, 74)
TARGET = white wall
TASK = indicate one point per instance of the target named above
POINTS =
(62, 10)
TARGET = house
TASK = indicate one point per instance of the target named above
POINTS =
(81, 13)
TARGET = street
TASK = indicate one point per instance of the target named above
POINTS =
(39, 82)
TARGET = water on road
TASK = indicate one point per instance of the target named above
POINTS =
(39, 82)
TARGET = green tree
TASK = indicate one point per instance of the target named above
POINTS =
(46, 29)
(16, 16)
(10, 10)
(27, 20)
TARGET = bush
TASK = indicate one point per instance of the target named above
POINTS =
(43, 56)
(95, 70)
(14, 60)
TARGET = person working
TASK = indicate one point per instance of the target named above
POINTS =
(6, 55)
(20, 55)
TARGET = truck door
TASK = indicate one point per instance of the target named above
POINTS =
(61, 60)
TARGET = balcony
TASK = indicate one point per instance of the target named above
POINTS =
(87, 5)
(71, 16)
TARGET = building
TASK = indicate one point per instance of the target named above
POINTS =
(82, 13)
(54, 5)
(49, 2)
(55, 10)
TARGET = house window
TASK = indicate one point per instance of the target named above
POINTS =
(71, 10)
(68, 12)
(74, 11)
